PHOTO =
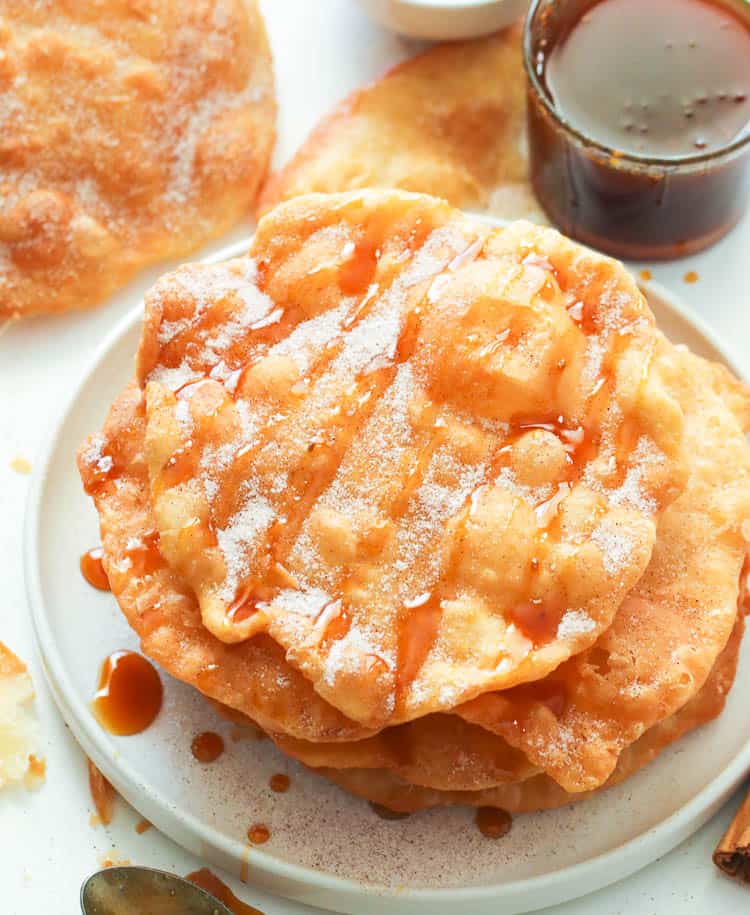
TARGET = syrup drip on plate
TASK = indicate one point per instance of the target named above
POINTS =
(259, 833)
(92, 569)
(279, 783)
(207, 880)
(493, 823)
(207, 747)
(129, 695)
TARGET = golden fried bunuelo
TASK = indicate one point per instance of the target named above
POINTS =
(129, 133)
(450, 122)
(385, 787)
(343, 428)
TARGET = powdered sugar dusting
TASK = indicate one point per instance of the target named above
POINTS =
(347, 653)
(575, 623)
(302, 601)
(239, 536)
(306, 341)
(616, 546)
(94, 456)
(631, 493)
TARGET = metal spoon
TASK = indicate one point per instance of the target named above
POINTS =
(145, 891)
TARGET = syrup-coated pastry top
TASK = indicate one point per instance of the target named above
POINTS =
(424, 456)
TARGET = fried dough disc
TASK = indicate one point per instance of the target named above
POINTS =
(251, 677)
(668, 632)
(423, 455)
(646, 645)
(129, 133)
(383, 786)
(450, 122)
(437, 751)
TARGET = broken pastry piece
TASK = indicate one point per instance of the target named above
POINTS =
(18, 727)
(449, 122)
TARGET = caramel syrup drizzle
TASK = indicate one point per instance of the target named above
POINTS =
(538, 620)
(305, 487)
(208, 881)
(129, 694)
(309, 478)
(312, 476)
(430, 439)
(92, 569)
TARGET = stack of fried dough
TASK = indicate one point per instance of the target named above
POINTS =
(432, 503)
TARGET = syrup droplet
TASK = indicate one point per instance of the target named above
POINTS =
(207, 747)
(493, 822)
(646, 275)
(208, 881)
(691, 277)
(385, 813)
(129, 696)
(142, 826)
(92, 569)
(417, 634)
(259, 833)
(538, 620)
(279, 783)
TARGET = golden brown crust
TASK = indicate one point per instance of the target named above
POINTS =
(129, 133)
(667, 634)
(436, 751)
(163, 612)
(449, 122)
(540, 792)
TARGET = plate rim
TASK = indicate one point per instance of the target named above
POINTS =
(301, 882)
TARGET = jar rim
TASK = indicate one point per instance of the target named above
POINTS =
(583, 139)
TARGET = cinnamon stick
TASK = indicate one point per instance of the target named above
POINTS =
(732, 854)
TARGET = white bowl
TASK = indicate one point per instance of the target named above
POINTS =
(445, 20)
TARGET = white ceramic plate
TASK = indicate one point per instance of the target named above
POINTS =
(327, 848)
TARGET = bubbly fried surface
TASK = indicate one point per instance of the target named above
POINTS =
(384, 786)
(129, 133)
(449, 122)
(576, 723)
(425, 456)
(668, 632)
(17, 727)
(251, 676)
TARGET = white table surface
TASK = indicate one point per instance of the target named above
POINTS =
(322, 50)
